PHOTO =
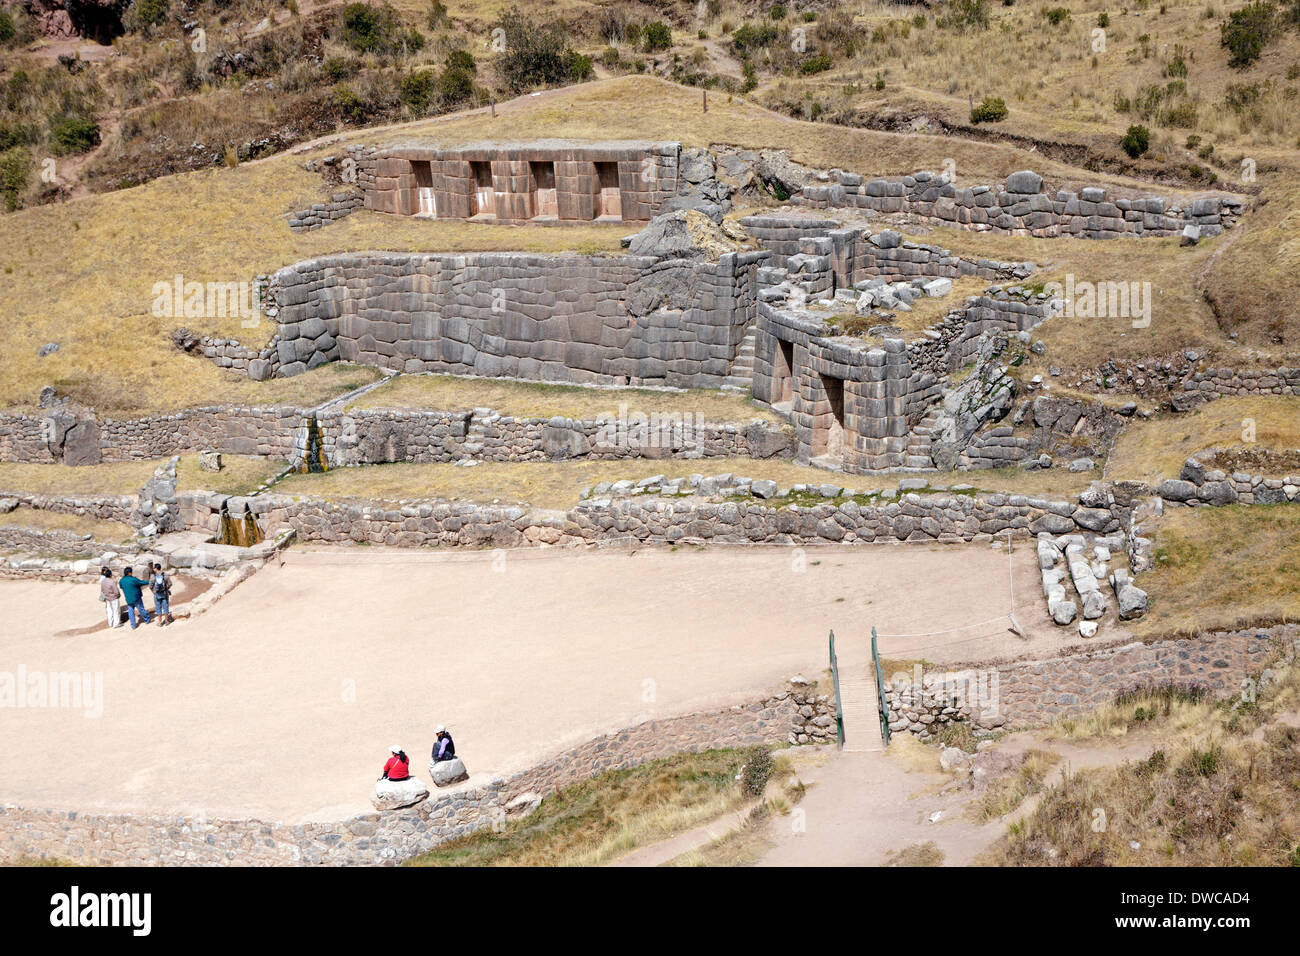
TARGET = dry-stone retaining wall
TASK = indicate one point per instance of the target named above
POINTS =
(323, 213)
(1031, 693)
(660, 520)
(1198, 485)
(1022, 206)
(381, 838)
(563, 318)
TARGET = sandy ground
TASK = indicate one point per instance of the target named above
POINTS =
(280, 701)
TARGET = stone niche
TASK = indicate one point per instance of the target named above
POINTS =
(546, 181)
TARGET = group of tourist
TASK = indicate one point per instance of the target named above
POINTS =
(130, 590)
(398, 766)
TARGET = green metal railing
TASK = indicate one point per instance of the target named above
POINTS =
(839, 707)
(880, 691)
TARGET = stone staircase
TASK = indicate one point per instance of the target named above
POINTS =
(918, 441)
(741, 377)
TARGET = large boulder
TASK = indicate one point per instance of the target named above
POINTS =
(395, 794)
(81, 444)
(687, 234)
(447, 772)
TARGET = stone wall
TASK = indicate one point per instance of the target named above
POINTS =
(1032, 693)
(542, 181)
(1023, 206)
(855, 252)
(661, 520)
(321, 214)
(383, 838)
(564, 318)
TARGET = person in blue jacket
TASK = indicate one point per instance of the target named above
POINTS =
(133, 595)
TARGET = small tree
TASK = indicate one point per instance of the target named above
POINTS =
(657, 36)
(1136, 141)
(1246, 31)
(992, 109)
(417, 90)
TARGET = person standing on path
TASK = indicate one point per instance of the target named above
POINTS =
(133, 594)
(111, 595)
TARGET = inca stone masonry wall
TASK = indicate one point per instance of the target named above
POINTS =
(369, 436)
(1032, 693)
(594, 319)
(1022, 206)
(388, 837)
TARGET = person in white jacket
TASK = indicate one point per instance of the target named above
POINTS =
(111, 595)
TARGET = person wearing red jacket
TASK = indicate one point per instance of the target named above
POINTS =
(398, 766)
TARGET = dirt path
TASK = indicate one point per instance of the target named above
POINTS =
(860, 807)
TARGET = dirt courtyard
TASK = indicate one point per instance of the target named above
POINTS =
(281, 700)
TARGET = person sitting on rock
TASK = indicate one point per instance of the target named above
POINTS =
(444, 748)
(398, 766)
(132, 593)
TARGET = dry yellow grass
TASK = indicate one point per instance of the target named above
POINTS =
(239, 475)
(1217, 788)
(1220, 567)
(82, 273)
(557, 485)
(1155, 449)
(538, 400)
(107, 531)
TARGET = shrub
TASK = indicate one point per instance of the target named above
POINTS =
(368, 29)
(991, 110)
(351, 107)
(1056, 15)
(149, 13)
(656, 36)
(578, 65)
(777, 12)
(1136, 141)
(336, 68)
(13, 177)
(437, 15)
(416, 90)
(815, 64)
(1103, 20)
(455, 84)
(461, 60)
(1246, 31)
(965, 15)
(880, 81)
(7, 28)
(536, 53)
(73, 134)
(750, 36)
(1177, 67)
(758, 770)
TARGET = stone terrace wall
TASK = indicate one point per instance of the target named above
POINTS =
(1021, 206)
(647, 176)
(1032, 693)
(617, 319)
(1227, 381)
(391, 836)
(856, 252)
(369, 436)
(657, 520)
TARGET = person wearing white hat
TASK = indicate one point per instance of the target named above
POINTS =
(398, 766)
(444, 748)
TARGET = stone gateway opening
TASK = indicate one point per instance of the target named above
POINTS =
(828, 421)
(426, 204)
(783, 377)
